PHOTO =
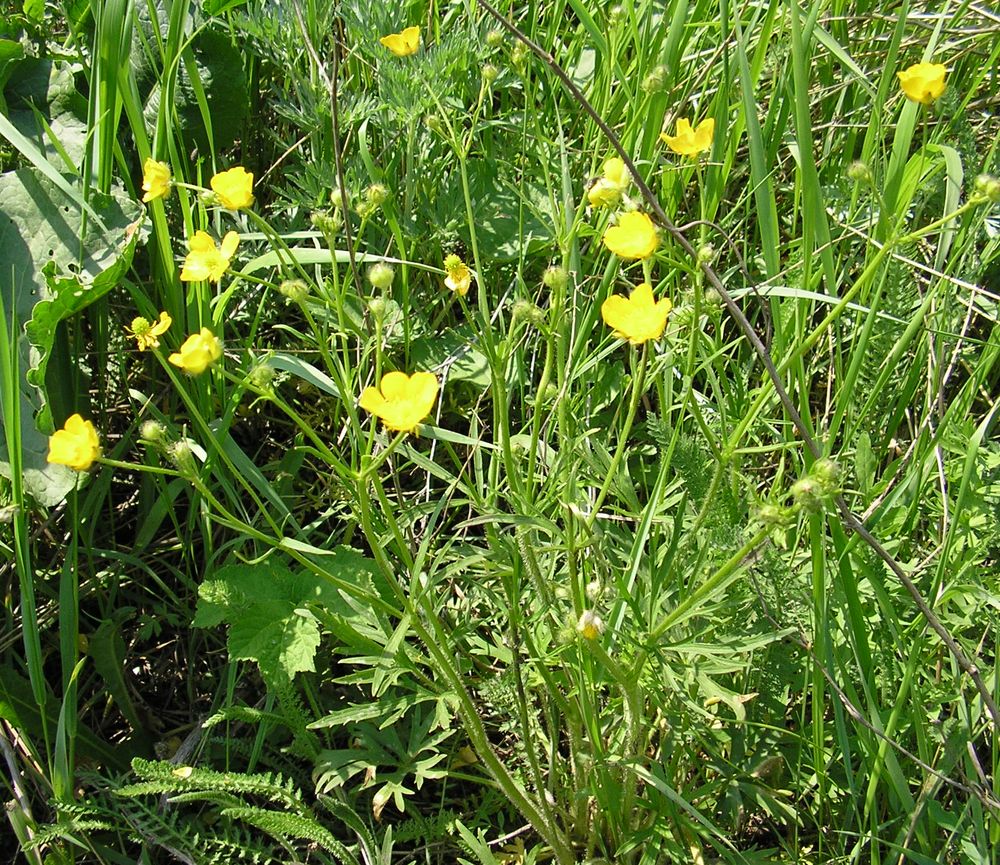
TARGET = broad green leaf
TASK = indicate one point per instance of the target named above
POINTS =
(264, 605)
(47, 109)
(56, 262)
(454, 351)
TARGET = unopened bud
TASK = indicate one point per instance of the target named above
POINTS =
(706, 252)
(434, 123)
(772, 515)
(261, 376)
(380, 275)
(294, 289)
(593, 590)
(859, 172)
(154, 432)
(340, 198)
(988, 185)
(494, 38)
(183, 457)
(327, 223)
(827, 473)
(525, 310)
(519, 56)
(555, 278)
(808, 495)
(490, 73)
(656, 80)
(377, 307)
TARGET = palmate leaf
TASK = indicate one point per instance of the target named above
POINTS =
(265, 606)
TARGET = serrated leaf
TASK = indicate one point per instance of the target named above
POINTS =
(264, 605)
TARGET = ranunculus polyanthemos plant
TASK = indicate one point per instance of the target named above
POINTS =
(382, 423)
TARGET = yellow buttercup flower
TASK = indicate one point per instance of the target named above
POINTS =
(459, 277)
(607, 190)
(75, 445)
(404, 43)
(688, 141)
(637, 318)
(206, 260)
(233, 188)
(146, 334)
(401, 401)
(923, 82)
(198, 353)
(155, 179)
(633, 237)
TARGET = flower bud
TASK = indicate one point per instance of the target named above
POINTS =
(772, 515)
(713, 298)
(380, 275)
(377, 307)
(656, 80)
(434, 124)
(555, 278)
(859, 172)
(327, 223)
(827, 474)
(153, 432)
(183, 457)
(294, 289)
(988, 185)
(261, 376)
(594, 590)
(525, 310)
(808, 495)
(338, 198)
(490, 73)
(376, 194)
(519, 56)
(706, 253)
(494, 38)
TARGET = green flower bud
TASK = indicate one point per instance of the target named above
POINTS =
(859, 172)
(377, 307)
(656, 80)
(153, 432)
(706, 253)
(183, 457)
(337, 199)
(490, 73)
(555, 278)
(380, 275)
(988, 185)
(434, 124)
(294, 289)
(808, 494)
(327, 224)
(525, 310)
(827, 474)
(494, 38)
(261, 376)
(519, 56)
(772, 515)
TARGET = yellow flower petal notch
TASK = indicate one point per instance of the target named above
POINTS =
(155, 180)
(459, 277)
(688, 141)
(147, 334)
(923, 82)
(233, 188)
(402, 401)
(607, 190)
(633, 237)
(75, 445)
(404, 43)
(638, 317)
(198, 353)
(205, 260)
